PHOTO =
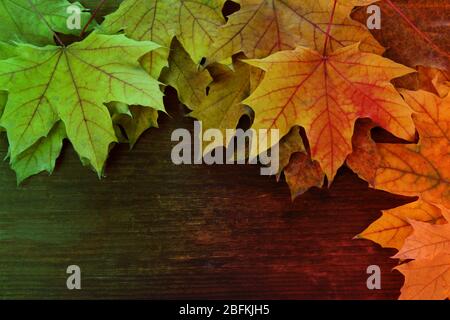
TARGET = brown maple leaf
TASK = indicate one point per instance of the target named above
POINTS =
(416, 32)
(364, 159)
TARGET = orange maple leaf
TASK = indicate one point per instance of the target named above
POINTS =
(428, 276)
(419, 170)
(426, 279)
(365, 159)
(426, 241)
(423, 169)
(326, 94)
(434, 80)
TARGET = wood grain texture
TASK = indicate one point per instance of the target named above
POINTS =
(155, 230)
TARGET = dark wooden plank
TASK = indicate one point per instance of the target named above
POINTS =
(155, 230)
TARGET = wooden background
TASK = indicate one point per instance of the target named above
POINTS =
(153, 230)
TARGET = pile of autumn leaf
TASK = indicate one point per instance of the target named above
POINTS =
(307, 68)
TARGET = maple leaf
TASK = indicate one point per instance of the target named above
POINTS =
(364, 159)
(34, 21)
(222, 107)
(288, 145)
(420, 229)
(326, 94)
(117, 110)
(434, 80)
(192, 21)
(49, 84)
(262, 27)
(184, 75)
(426, 279)
(145, 20)
(198, 21)
(422, 169)
(300, 171)
(415, 31)
(136, 122)
(41, 156)
(303, 173)
(429, 79)
(426, 241)
(392, 229)
(130, 122)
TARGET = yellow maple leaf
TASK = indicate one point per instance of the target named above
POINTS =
(393, 227)
(184, 75)
(288, 145)
(222, 107)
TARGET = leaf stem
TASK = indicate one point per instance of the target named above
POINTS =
(327, 36)
(94, 14)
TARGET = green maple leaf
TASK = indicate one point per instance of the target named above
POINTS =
(198, 22)
(41, 156)
(222, 107)
(34, 21)
(72, 84)
(3, 99)
(6, 51)
(136, 122)
(131, 17)
(184, 75)
(130, 122)
(194, 22)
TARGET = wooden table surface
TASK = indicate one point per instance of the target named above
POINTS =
(152, 229)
